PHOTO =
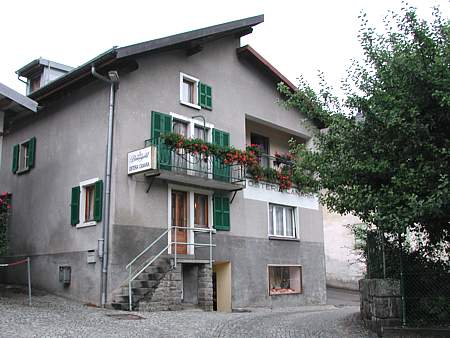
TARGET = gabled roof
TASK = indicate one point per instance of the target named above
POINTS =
(241, 27)
(82, 74)
(12, 101)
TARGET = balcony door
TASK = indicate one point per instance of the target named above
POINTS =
(263, 143)
(180, 220)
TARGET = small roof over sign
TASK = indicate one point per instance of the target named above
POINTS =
(13, 101)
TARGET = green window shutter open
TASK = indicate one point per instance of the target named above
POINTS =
(98, 200)
(31, 152)
(15, 159)
(205, 96)
(221, 171)
(75, 206)
(221, 213)
(161, 124)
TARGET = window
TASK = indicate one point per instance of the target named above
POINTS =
(86, 203)
(35, 83)
(201, 211)
(189, 90)
(89, 193)
(282, 221)
(194, 93)
(23, 156)
(284, 280)
(263, 143)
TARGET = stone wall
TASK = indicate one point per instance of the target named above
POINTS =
(167, 295)
(380, 303)
(205, 287)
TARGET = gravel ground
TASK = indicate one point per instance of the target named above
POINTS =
(52, 316)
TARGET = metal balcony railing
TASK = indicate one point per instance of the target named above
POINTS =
(180, 162)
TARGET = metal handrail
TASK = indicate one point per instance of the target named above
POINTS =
(132, 277)
(146, 249)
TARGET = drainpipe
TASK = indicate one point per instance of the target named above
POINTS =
(113, 81)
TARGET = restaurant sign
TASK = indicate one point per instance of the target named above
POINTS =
(141, 160)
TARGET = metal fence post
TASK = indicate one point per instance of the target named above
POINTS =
(29, 280)
(130, 299)
(402, 282)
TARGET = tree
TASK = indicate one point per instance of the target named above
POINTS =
(384, 154)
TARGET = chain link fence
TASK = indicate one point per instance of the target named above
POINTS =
(424, 284)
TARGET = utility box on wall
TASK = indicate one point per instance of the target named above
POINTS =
(65, 273)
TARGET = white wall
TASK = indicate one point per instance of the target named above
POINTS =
(343, 270)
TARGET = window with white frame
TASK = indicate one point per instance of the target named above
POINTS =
(23, 156)
(189, 90)
(86, 203)
(282, 221)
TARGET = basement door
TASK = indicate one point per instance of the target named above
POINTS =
(179, 220)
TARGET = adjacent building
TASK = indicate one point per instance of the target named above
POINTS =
(196, 231)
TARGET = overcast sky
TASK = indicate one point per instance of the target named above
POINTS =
(297, 37)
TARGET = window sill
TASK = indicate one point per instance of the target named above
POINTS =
(192, 105)
(23, 171)
(279, 238)
(286, 294)
(86, 225)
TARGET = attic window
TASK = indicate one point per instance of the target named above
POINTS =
(189, 91)
(35, 83)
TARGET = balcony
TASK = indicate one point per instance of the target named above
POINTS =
(176, 165)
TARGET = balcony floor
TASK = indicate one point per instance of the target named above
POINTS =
(194, 180)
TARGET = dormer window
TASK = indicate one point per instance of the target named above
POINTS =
(189, 91)
(35, 83)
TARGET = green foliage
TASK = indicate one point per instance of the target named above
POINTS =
(385, 153)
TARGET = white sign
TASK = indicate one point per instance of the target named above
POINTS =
(269, 192)
(141, 160)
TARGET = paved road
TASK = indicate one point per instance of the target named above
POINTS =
(52, 316)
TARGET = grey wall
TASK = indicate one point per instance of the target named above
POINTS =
(240, 92)
(70, 147)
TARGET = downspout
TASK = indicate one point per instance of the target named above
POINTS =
(113, 81)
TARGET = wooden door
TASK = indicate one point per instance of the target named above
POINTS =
(179, 219)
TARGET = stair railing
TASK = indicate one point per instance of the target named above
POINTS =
(132, 276)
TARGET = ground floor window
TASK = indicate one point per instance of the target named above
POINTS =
(285, 279)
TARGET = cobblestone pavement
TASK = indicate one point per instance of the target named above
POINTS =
(52, 316)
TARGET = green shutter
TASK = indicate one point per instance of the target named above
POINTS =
(221, 171)
(161, 124)
(226, 213)
(98, 200)
(221, 213)
(205, 96)
(15, 159)
(31, 152)
(75, 206)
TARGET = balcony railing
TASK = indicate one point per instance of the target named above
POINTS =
(179, 162)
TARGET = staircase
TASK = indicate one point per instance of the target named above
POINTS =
(154, 281)
(143, 287)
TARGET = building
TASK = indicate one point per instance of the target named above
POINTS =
(268, 245)
(343, 264)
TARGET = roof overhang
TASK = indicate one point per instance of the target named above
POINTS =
(14, 102)
(121, 59)
(239, 28)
